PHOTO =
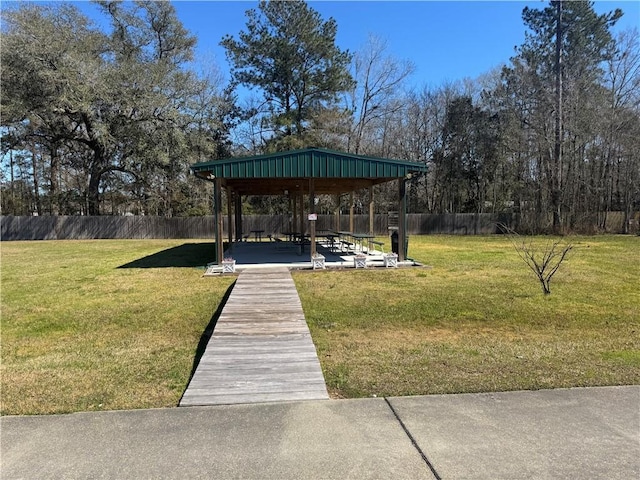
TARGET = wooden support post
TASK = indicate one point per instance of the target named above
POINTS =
(294, 223)
(402, 218)
(217, 202)
(229, 219)
(312, 209)
(291, 213)
(336, 225)
(371, 211)
(301, 217)
(351, 209)
(238, 204)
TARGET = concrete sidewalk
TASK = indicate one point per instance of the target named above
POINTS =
(575, 433)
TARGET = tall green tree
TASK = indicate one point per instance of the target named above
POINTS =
(466, 162)
(51, 57)
(561, 60)
(120, 109)
(289, 53)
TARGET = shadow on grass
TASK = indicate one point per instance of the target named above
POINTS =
(206, 335)
(186, 255)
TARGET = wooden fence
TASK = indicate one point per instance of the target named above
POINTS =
(68, 228)
(134, 227)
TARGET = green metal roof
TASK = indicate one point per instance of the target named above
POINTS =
(333, 171)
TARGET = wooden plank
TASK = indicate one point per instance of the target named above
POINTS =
(261, 349)
(257, 385)
(291, 357)
(230, 398)
(257, 371)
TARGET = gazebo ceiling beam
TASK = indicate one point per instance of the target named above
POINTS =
(278, 186)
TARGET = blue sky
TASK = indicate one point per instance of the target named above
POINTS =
(446, 40)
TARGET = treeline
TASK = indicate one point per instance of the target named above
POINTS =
(107, 121)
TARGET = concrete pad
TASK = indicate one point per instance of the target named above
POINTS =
(549, 434)
(266, 255)
(325, 440)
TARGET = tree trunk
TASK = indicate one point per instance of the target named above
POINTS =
(13, 187)
(36, 183)
(53, 182)
(556, 193)
(93, 193)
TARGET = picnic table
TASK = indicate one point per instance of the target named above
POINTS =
(331, 238)
(345, 240)
(302, 239)
(359, 238)
(257, 234)
(291, 235)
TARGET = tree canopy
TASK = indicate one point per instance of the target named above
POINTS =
(106, 120)
(113, 109)
(290, 54)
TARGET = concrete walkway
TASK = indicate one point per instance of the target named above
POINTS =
(589, 433)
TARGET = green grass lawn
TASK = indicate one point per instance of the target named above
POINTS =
(476, 320)
(80, 333)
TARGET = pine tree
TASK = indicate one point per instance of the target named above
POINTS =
(289, 53)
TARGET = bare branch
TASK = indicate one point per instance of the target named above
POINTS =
(543, 263)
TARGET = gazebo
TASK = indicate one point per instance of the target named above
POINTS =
(299, 173)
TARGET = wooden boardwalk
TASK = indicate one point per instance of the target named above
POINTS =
(261, 348)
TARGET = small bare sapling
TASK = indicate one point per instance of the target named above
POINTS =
(543, 260)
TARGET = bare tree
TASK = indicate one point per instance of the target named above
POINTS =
(379, 77)
(543, 260)
(621, 170)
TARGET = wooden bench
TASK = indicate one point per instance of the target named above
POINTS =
(380, 244)
(349, 245)
(281, 245)
(301, 244)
